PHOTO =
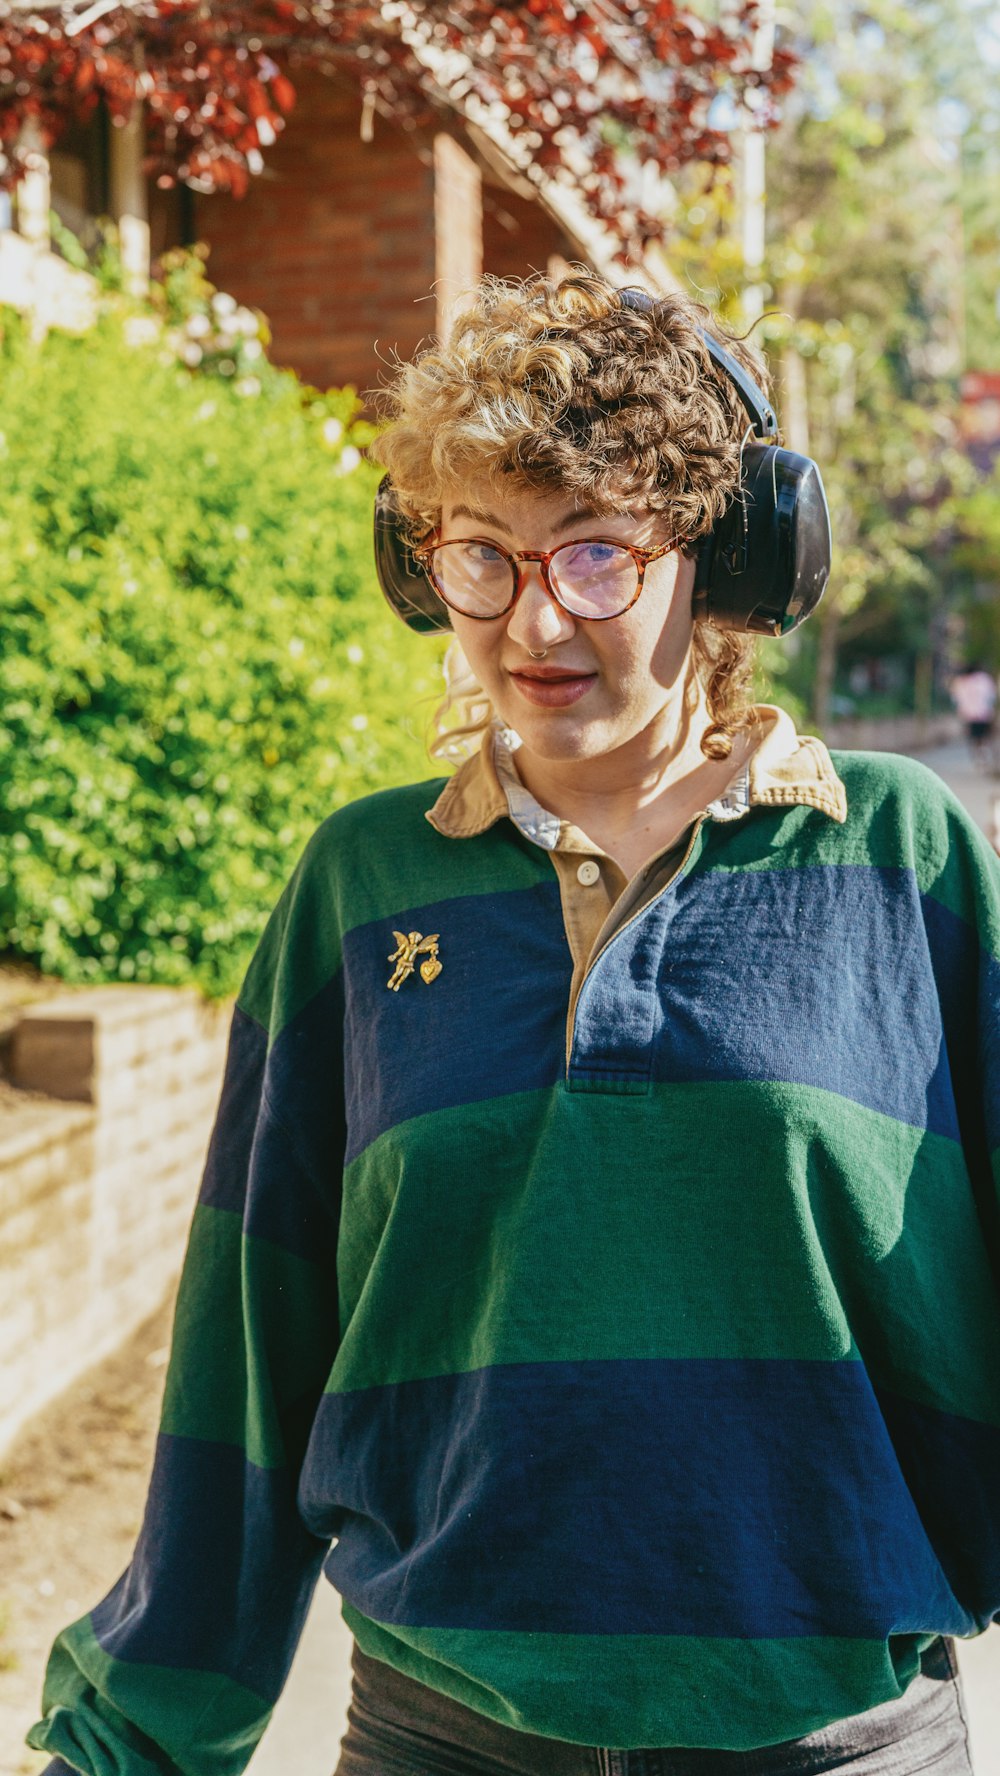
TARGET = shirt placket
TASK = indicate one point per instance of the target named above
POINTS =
(598, 900)
(611, 1028)
(590, 885)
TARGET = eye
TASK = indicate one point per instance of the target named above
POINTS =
(482, 554)
(584, 555)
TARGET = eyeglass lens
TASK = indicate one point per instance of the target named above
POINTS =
(593, 579)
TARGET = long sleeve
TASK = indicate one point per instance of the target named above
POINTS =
(943, 1417)
(178, 1669)
(961, 908)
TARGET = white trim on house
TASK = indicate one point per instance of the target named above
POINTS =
(38, 283)
(33, 279)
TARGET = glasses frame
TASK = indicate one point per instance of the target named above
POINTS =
(544, 557)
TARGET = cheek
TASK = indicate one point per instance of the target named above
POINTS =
(479, 646)
(675, 625)
(652, 653)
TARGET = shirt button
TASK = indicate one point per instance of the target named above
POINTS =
(588, 873)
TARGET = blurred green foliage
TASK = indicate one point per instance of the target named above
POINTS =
(196, 664)
(868, 276)
(977, 555)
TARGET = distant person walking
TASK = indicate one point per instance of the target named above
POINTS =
(974, 694)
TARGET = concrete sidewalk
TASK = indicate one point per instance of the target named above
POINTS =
(304, 1735)
(312, 1714)
(972, 786)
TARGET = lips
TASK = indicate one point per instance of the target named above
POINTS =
(552, 686)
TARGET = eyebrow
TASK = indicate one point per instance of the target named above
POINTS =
(481, 517)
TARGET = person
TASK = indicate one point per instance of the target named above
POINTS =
(974, 694)
(595, 1269)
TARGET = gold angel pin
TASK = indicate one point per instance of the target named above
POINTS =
(408, 948)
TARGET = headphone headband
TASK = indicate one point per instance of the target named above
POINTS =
(759, 410)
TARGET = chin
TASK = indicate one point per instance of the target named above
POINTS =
(565, 741)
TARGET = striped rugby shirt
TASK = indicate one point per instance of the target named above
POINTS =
(649, 1381)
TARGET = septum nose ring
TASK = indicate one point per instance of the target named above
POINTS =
(533, 656)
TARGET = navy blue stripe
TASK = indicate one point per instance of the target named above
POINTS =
(832, 976)
(968, 986)
(223, 1570)
(492, 1022)
(748, 1498)
(223, 1185)
(951, 1466)
(305, 1082)
(818, 975)
(824, 976)
(281, 1168)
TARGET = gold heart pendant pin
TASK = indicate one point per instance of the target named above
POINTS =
(410, 945)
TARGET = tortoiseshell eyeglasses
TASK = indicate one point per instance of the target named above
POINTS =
(596, 578)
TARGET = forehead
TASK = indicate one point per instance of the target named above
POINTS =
(513, 511)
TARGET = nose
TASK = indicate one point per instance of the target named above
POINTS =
(537, 621)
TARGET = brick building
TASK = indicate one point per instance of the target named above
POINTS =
(355, 238)
(355, 247)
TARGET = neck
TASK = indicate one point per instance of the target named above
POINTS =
(635, 800)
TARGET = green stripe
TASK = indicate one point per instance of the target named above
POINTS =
(967, 882)
(649, 1690)
(803, 1226)
(169, 1722)
(244, 1306)
(372, 860)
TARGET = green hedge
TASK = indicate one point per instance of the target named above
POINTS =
(196, 664)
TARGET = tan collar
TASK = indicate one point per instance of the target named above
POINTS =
(785, 768)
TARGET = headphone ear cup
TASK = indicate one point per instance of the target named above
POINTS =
(765, 565)
(405, 586)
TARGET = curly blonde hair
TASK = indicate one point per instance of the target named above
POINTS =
(553, 384)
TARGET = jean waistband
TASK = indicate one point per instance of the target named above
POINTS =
(404, 1702)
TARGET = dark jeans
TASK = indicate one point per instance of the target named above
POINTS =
(398, 1727)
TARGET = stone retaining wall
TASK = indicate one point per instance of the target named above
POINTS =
(101, 1150)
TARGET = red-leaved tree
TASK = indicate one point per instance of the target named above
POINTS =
(573, 82)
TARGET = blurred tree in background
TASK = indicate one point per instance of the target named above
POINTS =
(196, 664)
(877, 274)
(865, 263)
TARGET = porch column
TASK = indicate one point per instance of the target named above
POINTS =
(33, 193)
(129, 202)
(458, 225)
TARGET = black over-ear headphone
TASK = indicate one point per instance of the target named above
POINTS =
(763, 567)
